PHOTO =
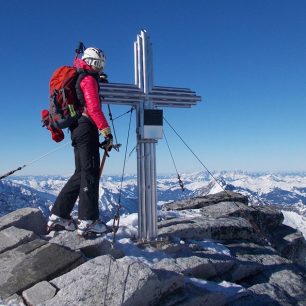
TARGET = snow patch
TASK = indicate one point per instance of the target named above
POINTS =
(224, 287)
(295, 220)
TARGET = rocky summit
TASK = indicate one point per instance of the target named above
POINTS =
(255, 259)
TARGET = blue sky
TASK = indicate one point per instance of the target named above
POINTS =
(247, 59)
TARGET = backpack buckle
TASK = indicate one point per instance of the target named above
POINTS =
(71, 110)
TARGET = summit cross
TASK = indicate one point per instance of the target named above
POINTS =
(147, 99)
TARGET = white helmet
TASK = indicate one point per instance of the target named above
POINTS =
(94, 57)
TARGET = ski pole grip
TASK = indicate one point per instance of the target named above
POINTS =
(80, 48)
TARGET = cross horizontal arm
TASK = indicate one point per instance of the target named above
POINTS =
(173, 97)
(121, 94)
(170, 89)
(127, 94)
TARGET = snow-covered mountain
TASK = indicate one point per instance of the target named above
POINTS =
(288, 190)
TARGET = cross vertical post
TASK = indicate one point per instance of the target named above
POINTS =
(146, 98)
(146, 156)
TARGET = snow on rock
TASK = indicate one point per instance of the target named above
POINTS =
(295, 220)
(228, 289)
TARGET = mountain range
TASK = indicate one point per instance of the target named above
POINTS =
(286, 190)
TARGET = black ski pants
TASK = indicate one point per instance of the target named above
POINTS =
(84, 183)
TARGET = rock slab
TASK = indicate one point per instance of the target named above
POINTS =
(39, 293)
(33, 262)
(204, 201)
(89, 247)
(12, 237)
(31, 219)
(105, 281)
(207, 228)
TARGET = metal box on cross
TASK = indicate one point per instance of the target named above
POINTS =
(153, 124)
(147, 100)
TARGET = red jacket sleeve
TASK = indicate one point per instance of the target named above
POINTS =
(90, 90)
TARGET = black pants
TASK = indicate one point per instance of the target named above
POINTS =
(84, 183)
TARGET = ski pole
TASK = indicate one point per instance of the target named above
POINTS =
(32, 162)
(103, 162)
(115, 147)
(11, 172)
(80, 48)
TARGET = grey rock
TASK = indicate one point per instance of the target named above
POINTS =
(89, 247)
(39, 293)
(211, 199)
(33, 262)
(205, 268)
(12, 236)
(13, 300)
(291, 281)
(263, 219)
(210, 290)
(242, 270)
(264, 259)
(264, 254)
(290, 243)
(277, 294)
(173, 248)
(168, 264)
(252, 252)
(27, 218)
(168, 282)
(253, 299)
(225, 209)
(194, 296)
(211, 267)
(105, 281)
(208, 299)
(279, 279)
(228, 204)
(266, 218)
(212, 228)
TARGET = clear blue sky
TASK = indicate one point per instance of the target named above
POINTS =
(247, 59)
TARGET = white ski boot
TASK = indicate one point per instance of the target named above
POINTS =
(90, 228)
(56, 223)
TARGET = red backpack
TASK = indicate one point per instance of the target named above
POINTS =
(64, 104)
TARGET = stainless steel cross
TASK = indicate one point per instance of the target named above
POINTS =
(144, 96)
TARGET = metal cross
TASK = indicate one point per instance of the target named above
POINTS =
(144, 96)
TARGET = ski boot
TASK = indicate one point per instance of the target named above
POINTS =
(92, 229)
(56, 223)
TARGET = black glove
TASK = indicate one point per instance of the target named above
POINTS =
(103, 78)
(107, 144)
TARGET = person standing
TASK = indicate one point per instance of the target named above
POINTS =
(84, 183)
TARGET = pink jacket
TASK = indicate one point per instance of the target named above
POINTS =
(90, 90)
